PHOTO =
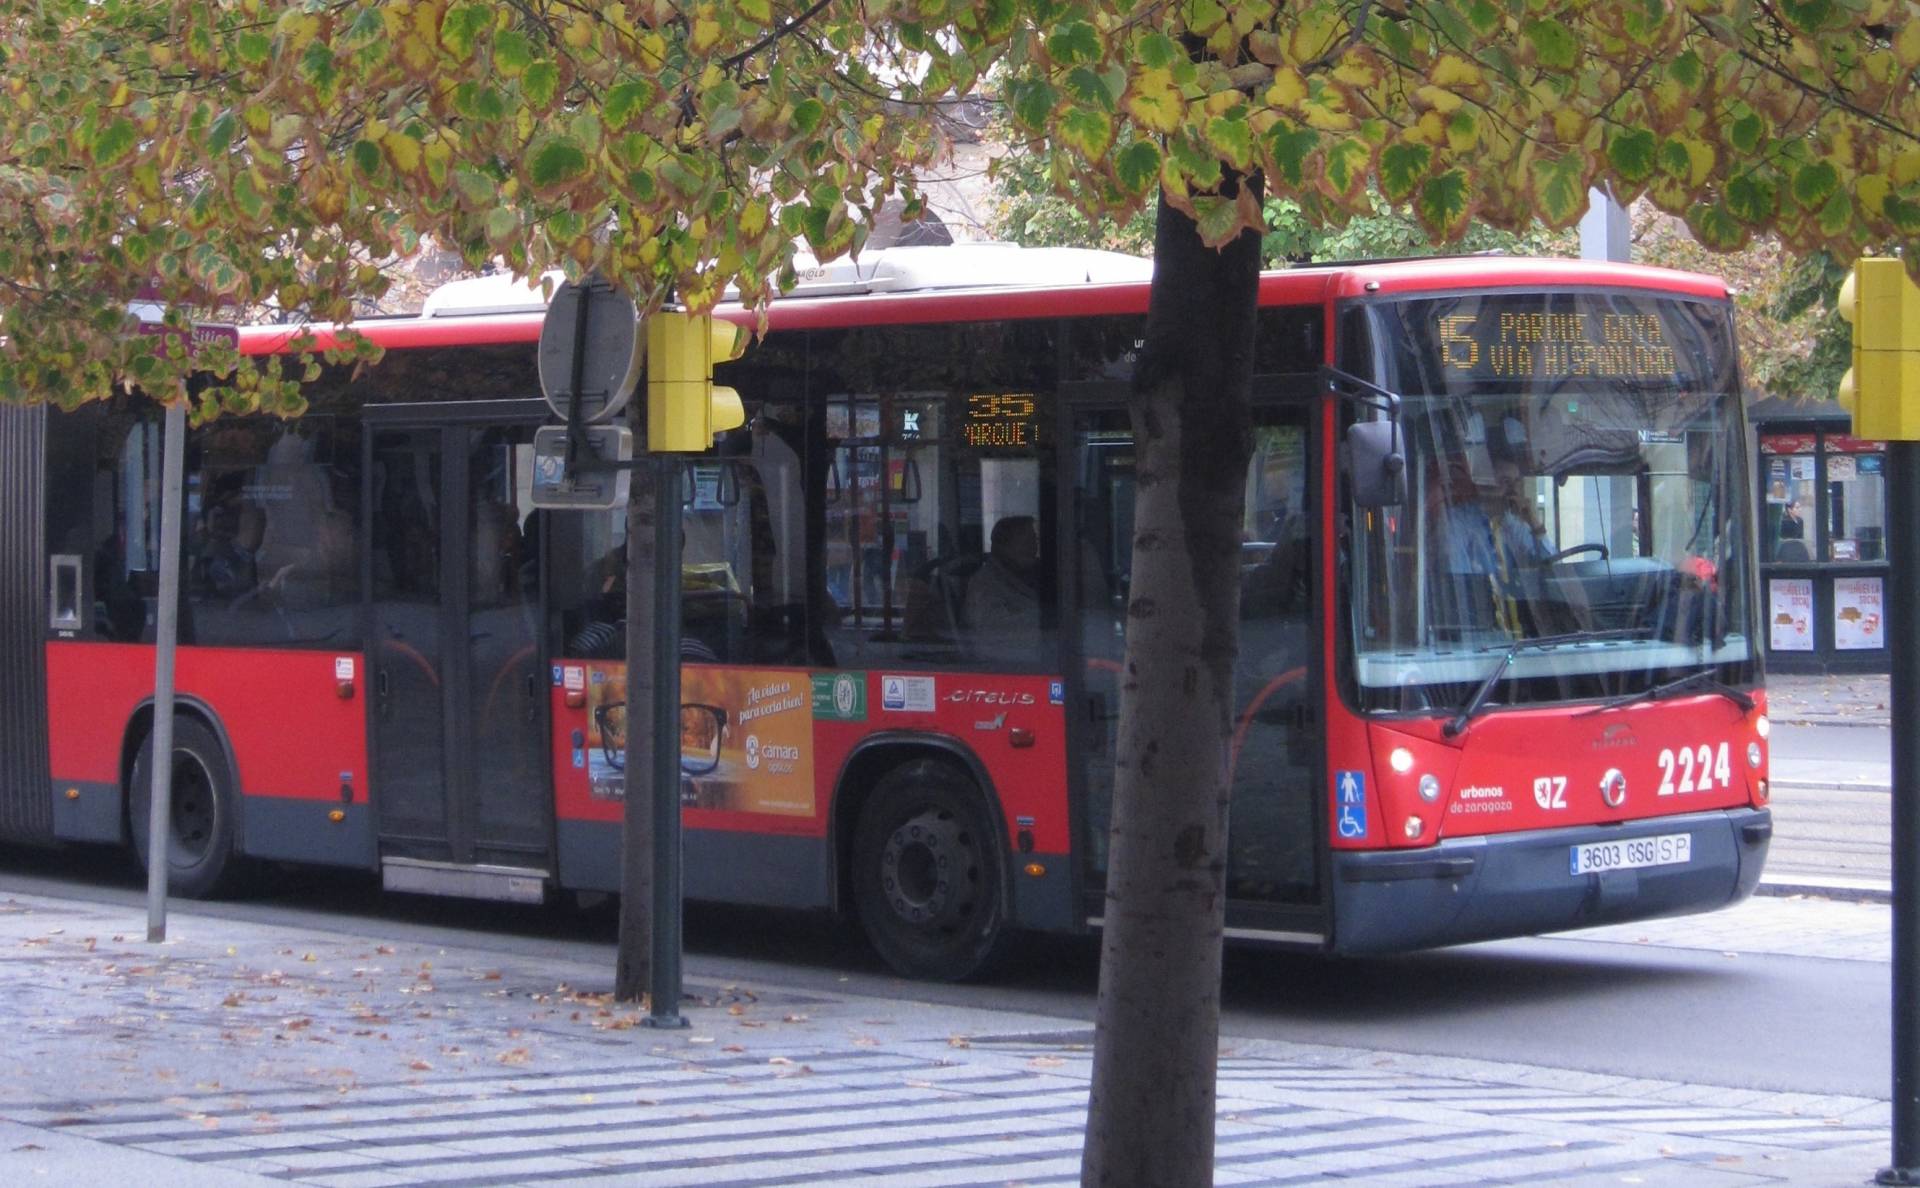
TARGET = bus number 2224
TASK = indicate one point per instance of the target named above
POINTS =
(1701, 769)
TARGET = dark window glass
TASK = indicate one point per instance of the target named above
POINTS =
(272, 509)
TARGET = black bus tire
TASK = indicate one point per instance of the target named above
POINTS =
(927, 874)
(204, 805)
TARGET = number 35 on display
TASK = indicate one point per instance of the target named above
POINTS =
(1701, 769)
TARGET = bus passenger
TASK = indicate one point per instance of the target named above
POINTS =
(1003, 595)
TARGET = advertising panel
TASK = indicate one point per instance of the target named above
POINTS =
(1790, 614)
(1859, 618)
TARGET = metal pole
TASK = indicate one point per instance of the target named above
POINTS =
(1903, 554)
(166, 633)
(663, 986)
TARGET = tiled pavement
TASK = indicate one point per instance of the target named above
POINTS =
(246, 1053)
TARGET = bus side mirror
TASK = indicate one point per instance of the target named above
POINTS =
(1376, 464)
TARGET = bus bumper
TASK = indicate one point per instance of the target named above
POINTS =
(1501, 885)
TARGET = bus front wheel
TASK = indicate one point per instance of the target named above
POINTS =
(201, 861)
(927, 874)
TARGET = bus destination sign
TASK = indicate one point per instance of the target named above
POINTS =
(999, 420)
(1510, 344)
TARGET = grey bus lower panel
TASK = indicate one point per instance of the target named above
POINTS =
(1501, 885)
(718, 865)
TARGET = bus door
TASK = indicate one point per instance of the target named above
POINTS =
(1274, 837)
(461, 782)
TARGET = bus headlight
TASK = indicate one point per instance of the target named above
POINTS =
(1762, 727)
(1401, 760)
(1414, 826)
(1429, 788)
(1753, 754)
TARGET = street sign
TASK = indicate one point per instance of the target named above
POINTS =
(558, 486)
(590, 340)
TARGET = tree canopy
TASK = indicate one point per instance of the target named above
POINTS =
(229, 158)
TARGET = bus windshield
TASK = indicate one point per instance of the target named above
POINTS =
(1574, 465)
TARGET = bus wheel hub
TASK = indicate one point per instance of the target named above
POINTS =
(917, 868)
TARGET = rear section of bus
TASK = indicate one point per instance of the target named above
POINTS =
(1548, 708)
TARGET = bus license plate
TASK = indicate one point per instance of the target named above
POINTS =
(1668, 849)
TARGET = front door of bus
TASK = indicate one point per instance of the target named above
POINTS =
(458, 701)
(1273, 873)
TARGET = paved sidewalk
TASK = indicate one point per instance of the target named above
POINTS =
(1829, 700)
(245, 1053)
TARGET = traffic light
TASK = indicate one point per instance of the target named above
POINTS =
(1882, 389)
(684, 409)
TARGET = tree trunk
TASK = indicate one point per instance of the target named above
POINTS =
(1151, 1117)
(633, 958)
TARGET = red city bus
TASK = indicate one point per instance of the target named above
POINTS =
(1498, 674)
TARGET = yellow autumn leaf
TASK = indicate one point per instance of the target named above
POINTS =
(1455, 73)
(706, 33)
(1438, 98)
(1153, 100)
(1288, 89)
(1906, 168)
(1872, 189)
(1906, 44)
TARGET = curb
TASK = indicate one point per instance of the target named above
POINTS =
(1845, 890)
(1831, 786)
(1805, 720)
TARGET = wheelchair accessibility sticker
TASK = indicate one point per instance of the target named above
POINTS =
(1351, 790)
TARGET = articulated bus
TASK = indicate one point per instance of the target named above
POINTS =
(1498, 670)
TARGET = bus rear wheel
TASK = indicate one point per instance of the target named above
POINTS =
(927, 874)
(201, 858)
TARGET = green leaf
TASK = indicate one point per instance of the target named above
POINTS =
(1751, 200)
(462, 27)
(1714, 226)
(246, 198)
(1090, 132)
(113, 142)
(1810, 16)
(1156, 51)
(1836, 214)
(807, 115)
(1033, 101)
(555, 162)
(1137, 167)
(1288, 147)
(1631, 153)
(1075, 43)
(1815, 183)
(254, 47)
(1746, 132)
(503, 225)
(1402, 167)
(320, 72)
(1559, 189)
(1232, 138)
(475, 187)
(1687, 70)
(541, 84)
(485, 103)
(1348, 160)
(1087, 87)
(1554, 45)
(220, 135)
(1217, 218)
(512, 53)
(366, 158)
(1444, 204)
(1903, 213)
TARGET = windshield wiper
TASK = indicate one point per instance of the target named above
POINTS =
(1703, 679)
(1479, 699)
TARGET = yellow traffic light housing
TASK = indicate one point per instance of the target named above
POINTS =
(1882, 389)
(684, 408)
